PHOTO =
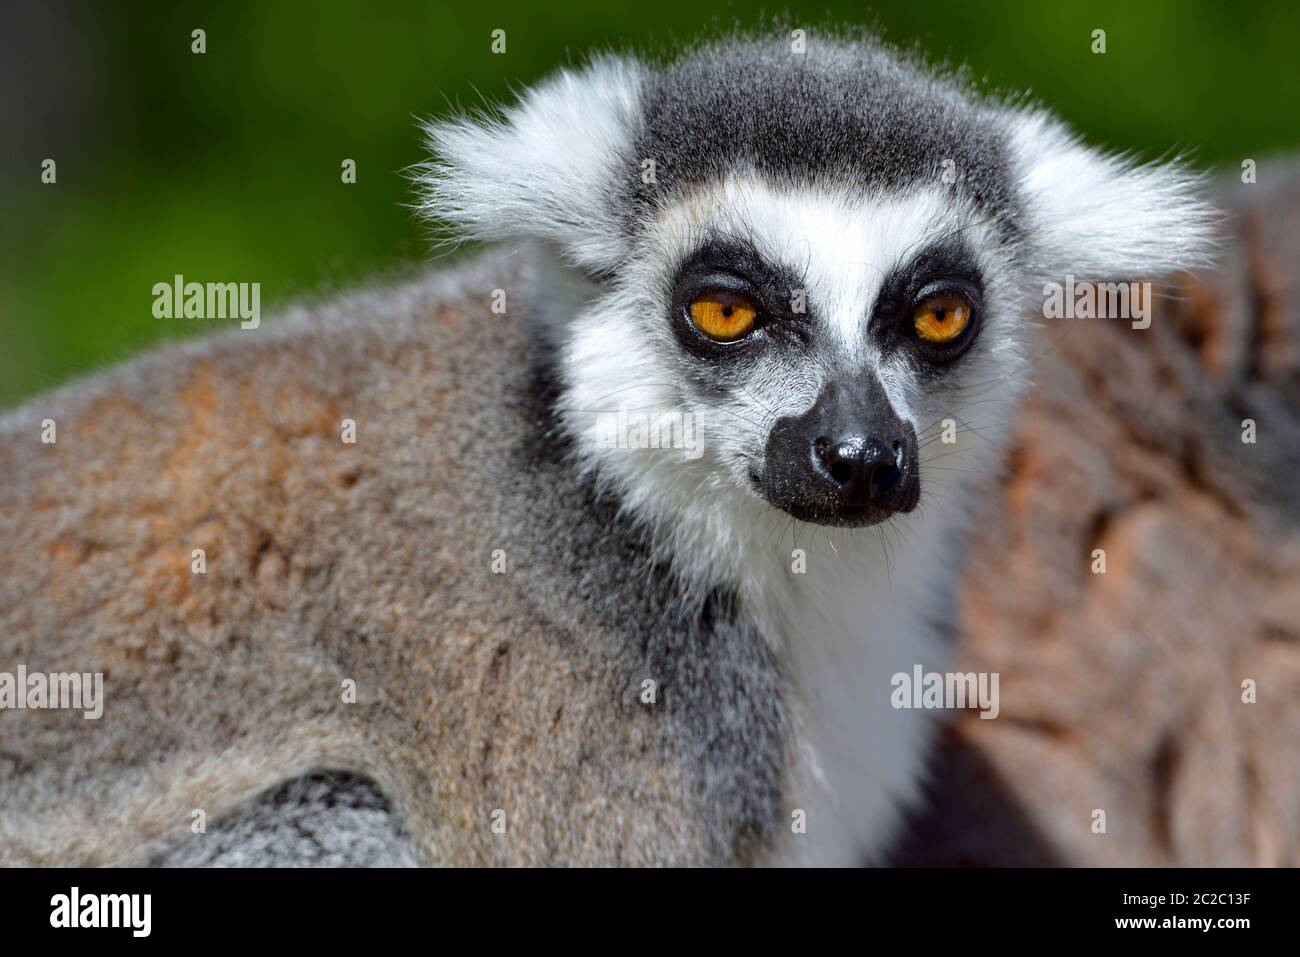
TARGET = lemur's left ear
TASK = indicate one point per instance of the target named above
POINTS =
(1098, 216)
(546, 168)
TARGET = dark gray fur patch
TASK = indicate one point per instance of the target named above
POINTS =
(330, 819)
(842, 113)
(722, 695)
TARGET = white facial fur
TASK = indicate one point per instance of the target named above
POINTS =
(620, 352)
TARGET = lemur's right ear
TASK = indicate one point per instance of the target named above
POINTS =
(1100, 216)
(545, 168)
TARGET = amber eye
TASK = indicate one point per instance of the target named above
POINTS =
(941, 318)
(723, 316)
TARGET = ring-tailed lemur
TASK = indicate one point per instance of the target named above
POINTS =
(620, 571)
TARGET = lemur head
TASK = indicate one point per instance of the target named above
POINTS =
(814, 258)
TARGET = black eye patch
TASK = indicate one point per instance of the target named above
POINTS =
(732, 266)
(945, 265)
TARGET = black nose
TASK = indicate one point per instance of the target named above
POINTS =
(861, 469)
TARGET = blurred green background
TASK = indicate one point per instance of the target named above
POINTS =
(226, 166)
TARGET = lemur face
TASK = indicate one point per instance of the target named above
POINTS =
(830, 243)
(822, 335)
(820, 265)
(816, 266)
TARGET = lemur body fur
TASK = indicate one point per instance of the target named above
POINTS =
(501, 586)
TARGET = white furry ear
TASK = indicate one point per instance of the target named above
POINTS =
(1098, 216)
(546, 168)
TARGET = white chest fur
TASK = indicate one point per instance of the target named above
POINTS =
(860, 611)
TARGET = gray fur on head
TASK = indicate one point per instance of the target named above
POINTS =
(565, 163)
